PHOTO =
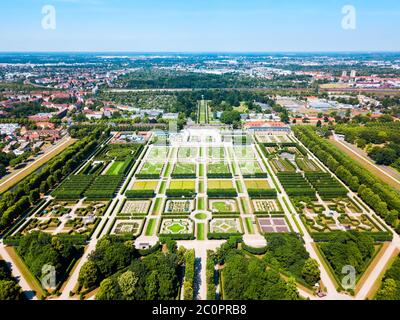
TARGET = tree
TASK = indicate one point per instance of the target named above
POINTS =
(88, 275)
(319, 124)
(3, 170)
(311, 272)
(152, 286)
(10, 290)
(127, 284)
(108, 290)
(388, 290)
(229, 117)
(291, 290)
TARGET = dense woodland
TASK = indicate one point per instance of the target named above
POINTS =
(124, 274)
(390, 288)
(9, 288)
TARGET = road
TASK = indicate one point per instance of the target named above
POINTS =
(16, 273)
(9, 180)
(388, 172)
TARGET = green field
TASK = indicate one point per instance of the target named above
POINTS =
(200, 204)
(249, 167)
(152, 168)
(115, 168)
(218, 168)
(256, 184)
(216, 152)
(187, 152)
(220, 184)
(145, 185)
(184, 168)
(182, 185)
(200, 231)
(151, 227)
(249, 224)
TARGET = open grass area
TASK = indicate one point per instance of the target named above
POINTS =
(216, 152)
(250, 167)
(115, 168)
(182, 185)
(152, 168)
(200, 204)
(151, 226)
(218, 168)
(158, 153)
(183, 168)
(145, 185)
(200, 231)
(187, 153)
(220, 184)
(257, 184)
(223, 206)
(201, 186)
(157, 206)
(26, 273)
(249, 225)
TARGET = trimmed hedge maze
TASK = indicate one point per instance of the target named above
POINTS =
(326, 185)
(104, 187)
(73, 187)
(296, 185)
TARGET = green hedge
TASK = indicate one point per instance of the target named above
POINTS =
(178, 193)
(222, 236)
(262, 193)
(222, 193)
(139, 194)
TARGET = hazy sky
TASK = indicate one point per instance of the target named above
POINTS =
(199, 25)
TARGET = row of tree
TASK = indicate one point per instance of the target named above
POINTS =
(14, 203)
(383, 199)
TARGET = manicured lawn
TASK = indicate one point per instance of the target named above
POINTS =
(168, 170)
(151, 227)
(152, 168)
(220, 184)
(184, 168)
(145, 185)
(115, 168)
(157, 206)
(245, 205)
(200, 204)
(222, 206)
(216, 152)
(239, 186)
(249, 167)
(202, 170)
(257, 184)
(201, 186)
(26, 273)
(218, 168)
(201, 216)
(200, 231)
(249, 224)
(182, 185)
(163, 187)
(187, 152)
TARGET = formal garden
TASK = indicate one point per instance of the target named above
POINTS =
(136, 207)
(225, 225)
(179, 206)
(132, 227)
(223, 206)
(176, 226)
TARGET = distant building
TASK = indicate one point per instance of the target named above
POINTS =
(266, 126)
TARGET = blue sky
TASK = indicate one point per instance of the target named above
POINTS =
(200, 25)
